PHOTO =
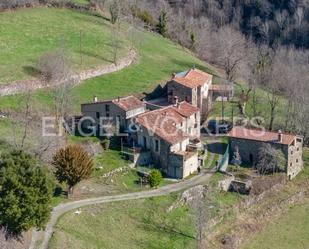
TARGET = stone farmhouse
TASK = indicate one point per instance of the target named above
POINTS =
(167, 128)
(249, 141)
(169, 137)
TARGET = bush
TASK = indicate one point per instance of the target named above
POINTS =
(72, 164)
(105, 144)
(25, 193)
(155, 178)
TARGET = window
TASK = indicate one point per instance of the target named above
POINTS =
(291, 152)
(195, 116)
(157, 145)
(296, 160)
(291, 164)
(107, 109)
(145, 142)
(107, 115)
(297, 148)
(97, 114)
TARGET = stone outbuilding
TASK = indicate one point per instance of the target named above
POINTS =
(122, 110)
(249, 141)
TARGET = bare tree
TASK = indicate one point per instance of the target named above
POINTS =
(270, 160)
(115, 42)
(57, 74)
(225, 48)
(22, 120)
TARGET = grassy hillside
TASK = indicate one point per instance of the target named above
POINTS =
(289, 231)
(158, 59)
(26, 34)
(125, 225)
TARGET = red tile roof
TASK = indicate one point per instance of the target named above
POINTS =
(186, 110)
(162, 122)
(193, 78)
(128, 103)
(260, 135)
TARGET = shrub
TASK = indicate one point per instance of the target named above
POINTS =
(105, 144)
(72, 164)
(155, 178)
(25, 193)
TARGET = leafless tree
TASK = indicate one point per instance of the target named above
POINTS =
(21, 120)
(57, 74)
(270, 160)
(225, 48)
(115, 42)
(54, 66)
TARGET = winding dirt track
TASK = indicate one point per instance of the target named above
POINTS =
(63, 208)
(35, 84)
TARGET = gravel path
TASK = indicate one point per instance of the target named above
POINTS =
(63, 208)
(35, 84)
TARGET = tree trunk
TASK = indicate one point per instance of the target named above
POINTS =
(70, 191)
(272, 118)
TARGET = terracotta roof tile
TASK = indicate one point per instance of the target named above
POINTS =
(260, 135)
(186, 109)
(128, 103)
(163, 122)
(193, 78)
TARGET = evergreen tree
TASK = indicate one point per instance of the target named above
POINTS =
(25, 193)
(162, 25)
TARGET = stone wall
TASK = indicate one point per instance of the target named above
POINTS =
(249, 149)
(183, 93)
(190, 165)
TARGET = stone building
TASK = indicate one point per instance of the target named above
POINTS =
(191, 86)
(249, 141)
(169, 137)
(122, 110)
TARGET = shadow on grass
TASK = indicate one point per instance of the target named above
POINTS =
(217, 148)
(32, 71)
(97, 56)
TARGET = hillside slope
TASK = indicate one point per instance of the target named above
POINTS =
(27, 34)
(158, 59)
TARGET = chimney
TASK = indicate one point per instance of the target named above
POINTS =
(176, 101)
(280, 136)
(95, 99)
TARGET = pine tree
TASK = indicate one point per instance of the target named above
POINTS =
(26, 191)
(162, 25)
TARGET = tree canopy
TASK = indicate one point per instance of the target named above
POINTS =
(25, 193)
(155, 178)
(72, 165)
(270, 160)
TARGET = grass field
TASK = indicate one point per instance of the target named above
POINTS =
(27, 34)
(158, 59)
(290, 231)
(263, 109)
(125, 225)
